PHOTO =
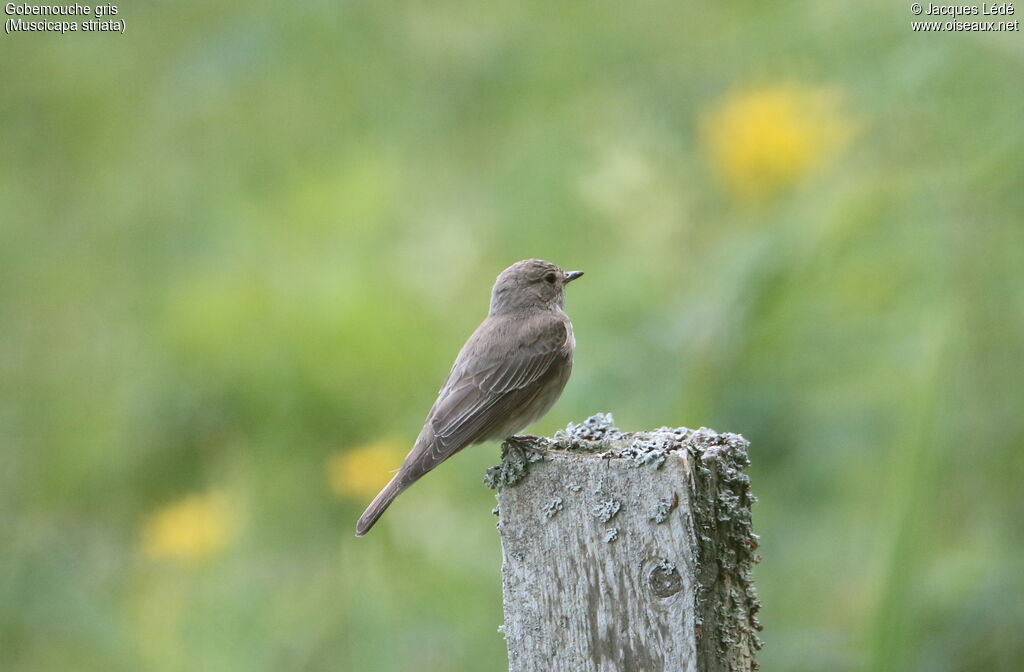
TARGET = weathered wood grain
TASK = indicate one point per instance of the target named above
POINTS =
(627, 552)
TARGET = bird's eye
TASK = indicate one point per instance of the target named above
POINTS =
(550, 278)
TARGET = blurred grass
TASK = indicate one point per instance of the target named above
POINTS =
(247, 237)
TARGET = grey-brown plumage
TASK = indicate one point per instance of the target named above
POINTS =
(507, 375)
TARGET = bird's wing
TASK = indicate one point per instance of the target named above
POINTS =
(488, 384)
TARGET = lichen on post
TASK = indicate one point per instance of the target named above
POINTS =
(627, 552)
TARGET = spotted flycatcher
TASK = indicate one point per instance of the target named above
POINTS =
(507, 375)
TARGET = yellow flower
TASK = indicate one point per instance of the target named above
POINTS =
(361, 472)
(763, 141)
(194, 528)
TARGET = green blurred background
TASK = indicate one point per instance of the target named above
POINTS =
(241, 244)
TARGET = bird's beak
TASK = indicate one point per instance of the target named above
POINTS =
(572, 275)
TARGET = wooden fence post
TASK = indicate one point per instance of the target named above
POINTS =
(627, 552)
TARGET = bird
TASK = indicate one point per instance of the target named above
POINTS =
(509, 373)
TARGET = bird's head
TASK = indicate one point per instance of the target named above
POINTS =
(531, 284)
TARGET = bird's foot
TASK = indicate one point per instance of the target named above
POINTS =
(521, 444)
(517, 453)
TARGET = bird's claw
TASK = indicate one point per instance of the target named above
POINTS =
(521, 444)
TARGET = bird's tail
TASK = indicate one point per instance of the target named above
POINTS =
(380, 504)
